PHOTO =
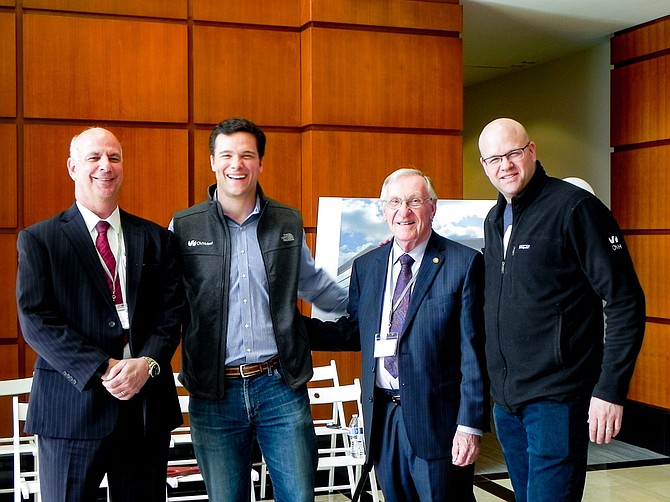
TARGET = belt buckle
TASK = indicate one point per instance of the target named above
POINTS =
(242, 372)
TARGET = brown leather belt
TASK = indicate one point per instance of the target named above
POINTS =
(250, 370)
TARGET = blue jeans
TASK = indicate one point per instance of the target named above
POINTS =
(545, 446)
(223, 433)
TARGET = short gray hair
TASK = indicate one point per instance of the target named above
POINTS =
(408, 171)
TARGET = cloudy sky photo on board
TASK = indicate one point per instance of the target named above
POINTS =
(348, 228)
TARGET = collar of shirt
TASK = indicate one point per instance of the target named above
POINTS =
(91, 220)
(256, 210)
(416, 253)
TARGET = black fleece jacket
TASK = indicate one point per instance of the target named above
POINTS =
(566, 264)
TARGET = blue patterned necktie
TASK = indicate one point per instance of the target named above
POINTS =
(399, 314)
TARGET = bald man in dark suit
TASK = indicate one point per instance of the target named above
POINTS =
(100, 402)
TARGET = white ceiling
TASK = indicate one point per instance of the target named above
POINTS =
(502, 36)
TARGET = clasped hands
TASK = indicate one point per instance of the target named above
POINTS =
(124, 378)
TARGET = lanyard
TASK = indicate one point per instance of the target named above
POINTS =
(116, 269)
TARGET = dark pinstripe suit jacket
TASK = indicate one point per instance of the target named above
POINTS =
(67, 315)
(441, 350)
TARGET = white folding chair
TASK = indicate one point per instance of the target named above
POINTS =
(10, 389)
(26, 483)
(185, 470)
(339, 455)
(328, 375)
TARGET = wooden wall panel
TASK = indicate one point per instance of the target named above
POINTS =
(354, 164)
(246, 73)
(9, 176)
(155, 182)
(444, 16)
(261, 12)
(372, 78)
(97, 69)
(149, 8)
(652, 371)
(280, 178)
(8, 370)
(641, 102)
(8, 319)
(7, 65)
(640, 135)
(641, 187)
(638, 42)
(651, 255)
(7, 3)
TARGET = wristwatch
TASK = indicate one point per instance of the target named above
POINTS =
(154, 367)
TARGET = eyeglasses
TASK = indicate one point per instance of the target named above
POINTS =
(396, 203)
(511, 156)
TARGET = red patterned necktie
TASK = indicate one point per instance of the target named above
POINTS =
(107, 256)
(399, 314)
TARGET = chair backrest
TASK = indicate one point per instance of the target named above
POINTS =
(326, 376)
(325, 373)
(339, 396)
(16, 386)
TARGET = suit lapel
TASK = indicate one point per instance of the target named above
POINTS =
(133, 238)
(372, 294)
(433, 260)
(74, 228)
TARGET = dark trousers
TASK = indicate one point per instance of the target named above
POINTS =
(135, 463)
(402, 475)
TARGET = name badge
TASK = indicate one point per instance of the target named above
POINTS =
(386, 344)
(122, 310)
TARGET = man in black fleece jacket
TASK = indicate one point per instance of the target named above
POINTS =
(555, 261)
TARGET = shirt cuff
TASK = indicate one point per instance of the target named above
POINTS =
(470, 430)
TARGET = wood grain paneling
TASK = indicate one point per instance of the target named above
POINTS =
(155, 181)
(354, 164)
(99, 69)
(280, 178)
(246, 73)
(262, 12)
(8, 317)
(8, 370)
(641, 41)
(651, 255)
(390, 13)
(7, 65)
(641, 102)
(149, 8)
(7, 3)
(641, 188)
(372, 78)
(8, 175)
(652, 371)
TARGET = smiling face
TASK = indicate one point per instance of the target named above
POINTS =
(236, 164)
(96, 166)
(410, 226)
(499, 138)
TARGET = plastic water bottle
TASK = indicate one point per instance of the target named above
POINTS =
(356, 437)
